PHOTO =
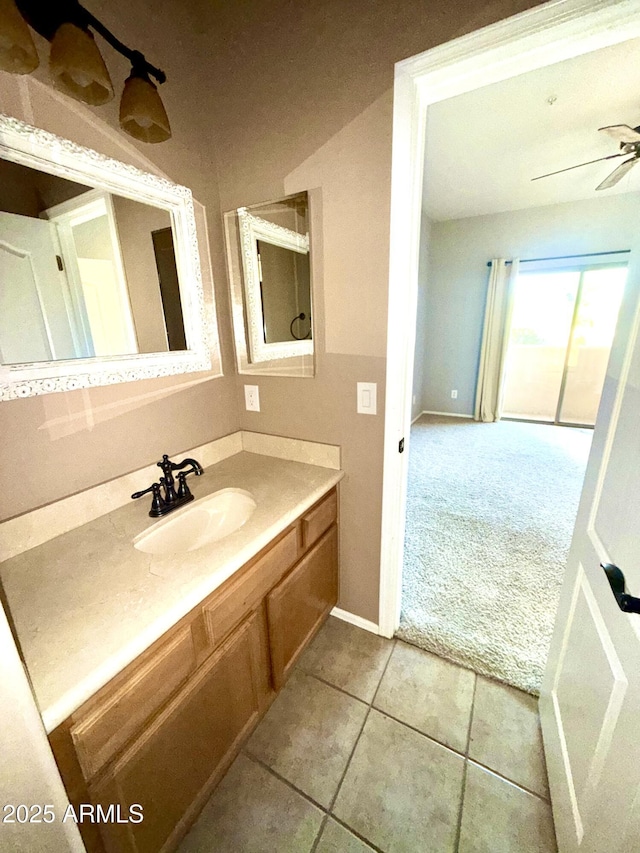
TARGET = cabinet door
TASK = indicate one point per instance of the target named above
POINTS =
(108, 721)
(298, 605)
(173, 766)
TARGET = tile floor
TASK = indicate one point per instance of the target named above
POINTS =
(374, 745)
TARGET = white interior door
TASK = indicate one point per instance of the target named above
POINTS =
(34, 314)
(590, 701)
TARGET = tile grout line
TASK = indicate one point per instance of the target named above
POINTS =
(466, 766)
(321, 828)
(354, 832)
(280, 778)
(357, 741)
(327, 813)
(473, 707)
(497, 773)
(419, 732)
(456, 846)
(344, 773)
(329, 684)
(509, 781)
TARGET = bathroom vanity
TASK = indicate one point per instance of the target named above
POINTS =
(162, 730)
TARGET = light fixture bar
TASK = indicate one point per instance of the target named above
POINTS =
(46, 18)
(136, 58)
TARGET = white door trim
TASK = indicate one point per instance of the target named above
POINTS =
(544, 35)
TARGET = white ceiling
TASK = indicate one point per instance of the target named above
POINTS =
(484, 147)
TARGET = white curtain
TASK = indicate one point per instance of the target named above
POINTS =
(495, 337)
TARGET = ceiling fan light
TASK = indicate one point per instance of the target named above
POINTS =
(77, 67)
(18, 53)
(142, 113)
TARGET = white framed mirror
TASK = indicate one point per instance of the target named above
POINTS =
(100, 277)
(270, 269)
(277, 287)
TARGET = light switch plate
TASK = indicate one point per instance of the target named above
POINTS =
(367, 398)
(252, 398)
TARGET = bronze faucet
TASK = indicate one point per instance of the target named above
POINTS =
(165, 498)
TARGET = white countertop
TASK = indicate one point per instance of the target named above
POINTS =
(87, 603)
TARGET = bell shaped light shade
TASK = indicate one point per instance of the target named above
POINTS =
(77, 68)
(142, 113)
(18, 53)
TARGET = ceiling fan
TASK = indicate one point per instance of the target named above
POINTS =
(629, 139)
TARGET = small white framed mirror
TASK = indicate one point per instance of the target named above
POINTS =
(100, 277)
(270, 269)
(277, 288)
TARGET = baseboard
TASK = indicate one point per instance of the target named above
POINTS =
(352, 619)
(448, 415)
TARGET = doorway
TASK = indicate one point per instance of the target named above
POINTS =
(537, 38)
(584, 771)
(561, 331)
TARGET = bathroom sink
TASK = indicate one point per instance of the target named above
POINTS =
(204, 521)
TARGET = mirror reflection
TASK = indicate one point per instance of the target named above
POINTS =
(285, 292)
(83, 272)
(274, 242)
(271, 268)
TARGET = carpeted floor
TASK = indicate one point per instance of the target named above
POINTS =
(490, 514)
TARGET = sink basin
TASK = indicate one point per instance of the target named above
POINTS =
(204, 521)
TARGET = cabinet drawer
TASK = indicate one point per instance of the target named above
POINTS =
(299, 604)
(241, 595)
(110, 723)
(319, 519)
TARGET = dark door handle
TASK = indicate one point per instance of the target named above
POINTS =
(615, 577)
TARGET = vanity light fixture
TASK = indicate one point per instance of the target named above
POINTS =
(76, 64)
(142, 113)
(77, 67)
(18, 53)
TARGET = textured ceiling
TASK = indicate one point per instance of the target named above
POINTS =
(484, 147)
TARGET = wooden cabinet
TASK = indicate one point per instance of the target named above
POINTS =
(164, 731)
(300, 603)
(120, 711)
(172, 767)
(225, 610)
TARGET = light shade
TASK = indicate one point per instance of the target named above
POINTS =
(77, 68)
(18, 53)
(142, 113)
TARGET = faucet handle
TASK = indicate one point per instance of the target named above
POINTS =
(151, 488)
(183, 489)
(166, 464)
(157, 502)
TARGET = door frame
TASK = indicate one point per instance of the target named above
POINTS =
(541, 36)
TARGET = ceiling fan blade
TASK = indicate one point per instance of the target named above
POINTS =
(622, 133)
(618, 173)
(579, 165)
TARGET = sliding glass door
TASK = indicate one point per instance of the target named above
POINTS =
(560, 337)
